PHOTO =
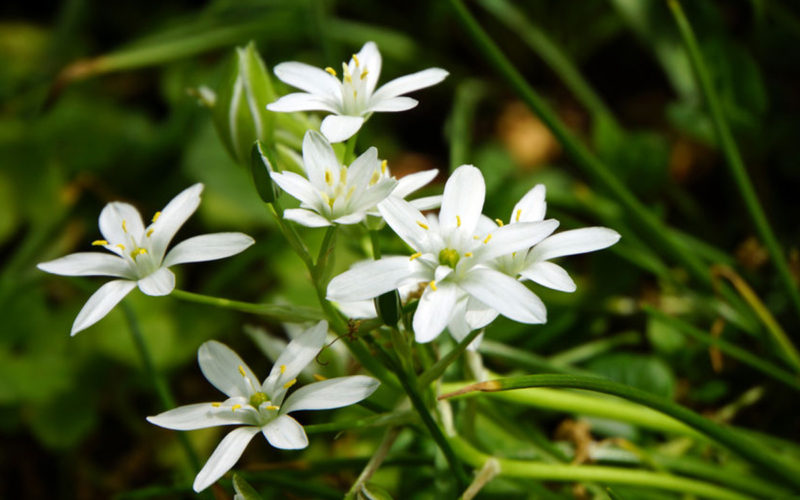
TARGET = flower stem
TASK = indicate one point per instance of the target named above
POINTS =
(436, 371)
(374, 462)
(350, 150)
(291, 314)
(732, 155)
(600, 474)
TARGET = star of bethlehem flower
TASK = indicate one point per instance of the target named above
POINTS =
(261, 407)
(138, 253)
(334, 193)
(451, 257)
(353, 99)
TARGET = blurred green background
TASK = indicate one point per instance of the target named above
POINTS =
(95, 106)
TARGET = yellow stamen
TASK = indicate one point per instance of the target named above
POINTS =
(156, 216)
(216, 405)
(513, 254)
(355, 58)
(468, 254)
(328, 177)
(499, 222)
(241, 371)
(319, 377)
(458, 221)
(519, 212)
(375, 178)
(364, 74)
(273, 407)
(476, 237)
(350, 193)
(99, 243)
(355, 94)
(137, 252)
(415, 256)
(124, 225)
(343, 175)
(120, 246)
(422, 225)
(142, 251)
(150, 232)
(384, 164)
(283, 368)
(331, 71)
(486, 240)
(235, 407)
(433, 285)
(290, 383)
(348, 78)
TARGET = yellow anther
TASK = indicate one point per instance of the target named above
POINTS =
(343, 175)
(137, 252)
(415, 256)
(120, 246)
(124, 225)
(283, 368)
(355, 58)
(328, 177)
(273, 407)
(513, 254)
(150, 232)
(216, 405)
(519, 212)
(241, 371)
(331, 71)
(142, 251)
(364, 74)
(433, 285)
(99, 243)
(375, 178)
(235, 407)
(422, 225)
(319, 377)
(290, 383)
(458, 221)
(468, 254)
(350, 193)
(355, 93)
(156, 216)
(476, 237)
(384, 165)
(488, 237)
(348, 78)
(499, 222)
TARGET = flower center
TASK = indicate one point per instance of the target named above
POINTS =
(449, 257)
(258, 398)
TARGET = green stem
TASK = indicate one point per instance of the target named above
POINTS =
(350, 150)
(591, 349)
(387, 419)
(600, 474)
(159, 384)
(376, 245)
(732, 155)
(325, 250)
(436, 371)
(744, 447)
(468, 95)
(374, 462)
(731, 350)
(290, 234)
(291, 314)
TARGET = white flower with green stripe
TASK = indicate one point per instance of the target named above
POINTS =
(261, 407)
(139, 254)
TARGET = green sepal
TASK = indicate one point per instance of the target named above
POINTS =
(262, 162)
(388, 307)
(243, 489)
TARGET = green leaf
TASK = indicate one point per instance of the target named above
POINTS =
(665, 338)
(243, 489)
(261, 164)
(372, 491)
(643, 372)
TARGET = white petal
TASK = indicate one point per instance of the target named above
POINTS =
(159, 282)
(370, 58)
(369, 279)
(221, 366)
(172, 218)
(196, 416)
(504, 294)
(478, 314)
(549, 275)
(359, 173)
(224, 457)
(412, 182)
(405, 220)
(119, 220)
(309, 78)
(101, 302)
(458, 325)
(338, 128)
(531, 207)
(587, 239)
(515, 237)
(358, 309)
(427, 202)
(374, 195)
(207, 247)
(285, 433)
(410, 83)
(88, 264)
(306, 217)
(299, 353)
(393, 104)
(297, 186)
(462, 200)
(300, 101)
(332, 393)
(318, 156)
(434, 311)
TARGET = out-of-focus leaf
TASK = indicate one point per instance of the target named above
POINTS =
(663, 337)
(643, 372)
(243, 489)
(372, 491)
(64, 421)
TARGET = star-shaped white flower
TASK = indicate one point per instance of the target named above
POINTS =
(334, 193)
(450, 257)
(353, 99)
(261, 407)
(138, 253)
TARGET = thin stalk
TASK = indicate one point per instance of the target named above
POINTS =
(731, 350)
(325, 250)
(374, 462)
(350, 150)
(468, 94)
(524, 359)
(591, 349)
(436, 371)
(732, 155)
(159, 384)
(292, 314)
(596, 473)
(746, 448)
(386, 419)
(290, 234)
(376, 245)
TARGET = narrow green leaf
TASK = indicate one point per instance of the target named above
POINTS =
(261, 164)
(243, 489)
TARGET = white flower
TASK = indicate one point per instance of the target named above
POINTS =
(261, 407)
(139, 253)
(353, 99)
(450, 257)
(334, 193)
(534, 264)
